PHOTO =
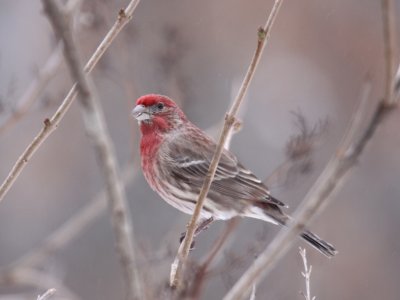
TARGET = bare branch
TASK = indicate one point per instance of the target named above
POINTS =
(47, 295)
(306, 274)
(38, 84)
(389, 33)
(253, 292)
(36, 87)
(263, 36)
(96, 129)
(52, 123)
(319, 195)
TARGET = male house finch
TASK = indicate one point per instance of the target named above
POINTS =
(176, 156)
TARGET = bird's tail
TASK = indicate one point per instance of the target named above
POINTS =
(274, 214)
(319, 244)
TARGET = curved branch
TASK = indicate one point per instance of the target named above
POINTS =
(328, 182)
(51, 124)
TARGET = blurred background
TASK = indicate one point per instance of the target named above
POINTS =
(319, 58)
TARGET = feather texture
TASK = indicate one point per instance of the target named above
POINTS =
(176, 156)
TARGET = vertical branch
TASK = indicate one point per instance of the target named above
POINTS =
(329, 181)
(389, 33)
(253, 292)
(334, 173)
(396, 86)
(97, 130)
(51, 124)
(177, 268)
(306, 274)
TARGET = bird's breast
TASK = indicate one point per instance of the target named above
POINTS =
(149, 146)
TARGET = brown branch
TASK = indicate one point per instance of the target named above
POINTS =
(97, 131)
(334, 174)
(328, 182)
(263, 36)
(389, 33)
(51, 124)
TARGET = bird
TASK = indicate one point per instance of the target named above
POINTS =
(175, 158)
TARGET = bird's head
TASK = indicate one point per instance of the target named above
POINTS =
(157, 113)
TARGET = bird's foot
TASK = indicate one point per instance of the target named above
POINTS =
(203, 225)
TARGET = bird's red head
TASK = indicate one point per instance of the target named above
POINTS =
(157, 113)
(152, 99)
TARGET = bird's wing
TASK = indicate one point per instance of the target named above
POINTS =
(190, 164)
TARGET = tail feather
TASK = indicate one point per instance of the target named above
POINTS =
(319, 244)
(274, 214)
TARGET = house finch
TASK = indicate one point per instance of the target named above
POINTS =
(175, 157)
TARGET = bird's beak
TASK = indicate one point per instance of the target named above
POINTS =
(141, 113)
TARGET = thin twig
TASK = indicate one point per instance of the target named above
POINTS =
(38, 84)
(96, 129)
(47, 295)
(253, 292)
(306, 274)
(396, 86)
(263, 36)
(319, 195)
(52, 123)
(389, 33)
(34, 90)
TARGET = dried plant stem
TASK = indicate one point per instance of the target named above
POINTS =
(306, 274)
(334, 174)
(389, 33)
(47, 295)
(52, 123)
(319, 195)
(38, 84)
(396, 86)
(97, 131)
(253, 292)
(263, 36)
(36, 87)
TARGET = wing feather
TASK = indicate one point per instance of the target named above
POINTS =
(231, 178)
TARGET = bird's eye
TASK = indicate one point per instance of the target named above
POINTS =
(160, 106)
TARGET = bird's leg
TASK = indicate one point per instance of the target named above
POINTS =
(201, 226)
